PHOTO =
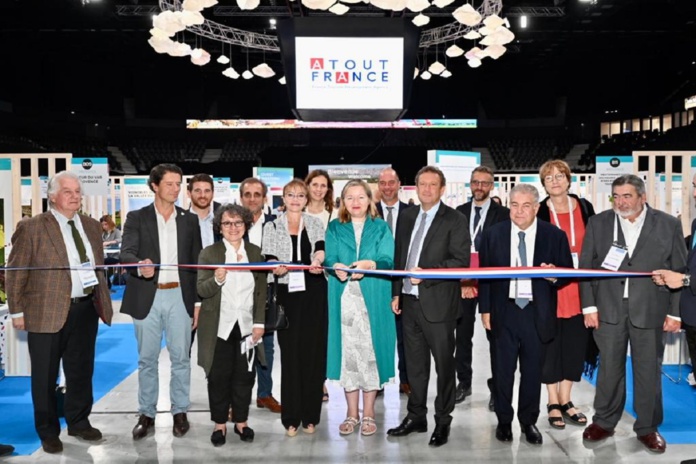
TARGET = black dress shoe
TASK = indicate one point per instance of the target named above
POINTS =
(503, 432)
(52, 445)
(491, 403)
(217, 438)
(461, 393)
(440, 435)
(88, 434)
(247, 434)
(532, 434)
(143, 427)
(406, 427)
(6, 450)
(181, 425)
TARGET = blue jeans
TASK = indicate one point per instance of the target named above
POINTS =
(168, 314)
(265, 374)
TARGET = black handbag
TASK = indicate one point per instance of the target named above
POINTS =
(275, 313)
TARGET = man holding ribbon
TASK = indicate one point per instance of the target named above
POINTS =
(59, 306)
(631, 237)
(433, 236)
(482, 213)
(161, 296)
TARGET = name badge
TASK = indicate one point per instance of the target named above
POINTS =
(614, 258)
(524, 288)
(296, 281)
(87, 275)
(576, 260)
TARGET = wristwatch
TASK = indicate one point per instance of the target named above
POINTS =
(686, 281)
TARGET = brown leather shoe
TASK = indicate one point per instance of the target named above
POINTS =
(269, 403)
(181, 424)
(594, 432)
(653, 442)
(52, 445)
(89, 433)
(142, 428)
(405, 389)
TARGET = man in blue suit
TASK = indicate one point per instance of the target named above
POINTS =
(521, 312)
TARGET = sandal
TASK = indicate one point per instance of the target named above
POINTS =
(556, 422)
(348, 426)
(576, 419)
(310, 429)
(369, 427)
(291, 431)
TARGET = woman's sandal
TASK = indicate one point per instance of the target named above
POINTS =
(348, 426)
(369, 426)
(291, 431)
(576, 419)
(556, 422)
(310, 429)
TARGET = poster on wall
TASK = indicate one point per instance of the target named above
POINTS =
(93, 173)
(274, 177)
(456, 165)
(234, 193)
(674, 196)
(609, 168)
(5, 209)
(342, 173)
(221, 192)
(138, 193)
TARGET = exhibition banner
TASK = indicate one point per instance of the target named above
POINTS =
(609, 168)
(221, 192)
(138, 193)
(93, 173)
(456, 165)
(274, 177)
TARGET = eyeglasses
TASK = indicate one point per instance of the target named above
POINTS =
(558, 177)
(232, 224)
(481, 183)
(299, 196)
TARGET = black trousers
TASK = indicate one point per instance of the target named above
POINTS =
(403, 373)
(517, 339)
(421, 338)
(303, 352)
(230, 381)
(691, 343)
(74, 344)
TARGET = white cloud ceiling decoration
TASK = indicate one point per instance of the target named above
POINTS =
(474, 62)
(417, 5)
(222, 59)
(200, 57)
(467, 15)
(421, 20)
(318, 4)
(475, 53)
(161, 44)
(472, 35)
(339, 9)
(180, 49)
(191, 18)
(493, 21)
(416, 72)
(392, 5)
(193, 5)
(495, 51)
(446, 73)
(442, 3)
(231, 73)
(159, 33)
(263, 70)
(500, 36)
(169, 22)
(425, 75)
(248, 4)
(282, 80)
(436, 67)
(247, 74)
(454, 51)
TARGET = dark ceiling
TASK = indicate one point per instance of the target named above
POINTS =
(631, 55)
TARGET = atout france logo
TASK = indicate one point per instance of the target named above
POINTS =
(349, 71)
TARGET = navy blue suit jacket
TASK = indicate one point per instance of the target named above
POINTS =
(550, 247)
(687, 303)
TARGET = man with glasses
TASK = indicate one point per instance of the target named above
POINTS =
(389, 208)
(253, 193)
(482, 213)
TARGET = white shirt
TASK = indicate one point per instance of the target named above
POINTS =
(529, 240)
(631, 232)
(206, 225)
(237, 299)
(168, 243)
(256, 231)
(395, 214)
(73, 256)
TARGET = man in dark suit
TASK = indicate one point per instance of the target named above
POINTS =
(389, 209)
(687, 282)
(252, 192)
(200, 191)
(432, 236)
(631, 237)
(162, 299)
(59, 308)
(521, 312)
(482, 213)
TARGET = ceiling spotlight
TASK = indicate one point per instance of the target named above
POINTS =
(272, 22)
(523, 21)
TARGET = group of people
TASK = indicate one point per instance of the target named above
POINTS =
(347, 322)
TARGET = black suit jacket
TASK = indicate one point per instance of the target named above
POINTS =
(402, 207)
(141, 241)
(496, 213)
(550, 247)
(687, 303)
(446, 245)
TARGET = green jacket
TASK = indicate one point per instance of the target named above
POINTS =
(211, 293)
(377, 244)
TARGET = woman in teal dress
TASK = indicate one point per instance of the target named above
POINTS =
(362, 334)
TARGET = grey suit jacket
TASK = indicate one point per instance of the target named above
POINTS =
(141, 241)
(660, 246)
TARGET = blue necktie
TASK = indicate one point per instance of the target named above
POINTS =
(522, 247)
